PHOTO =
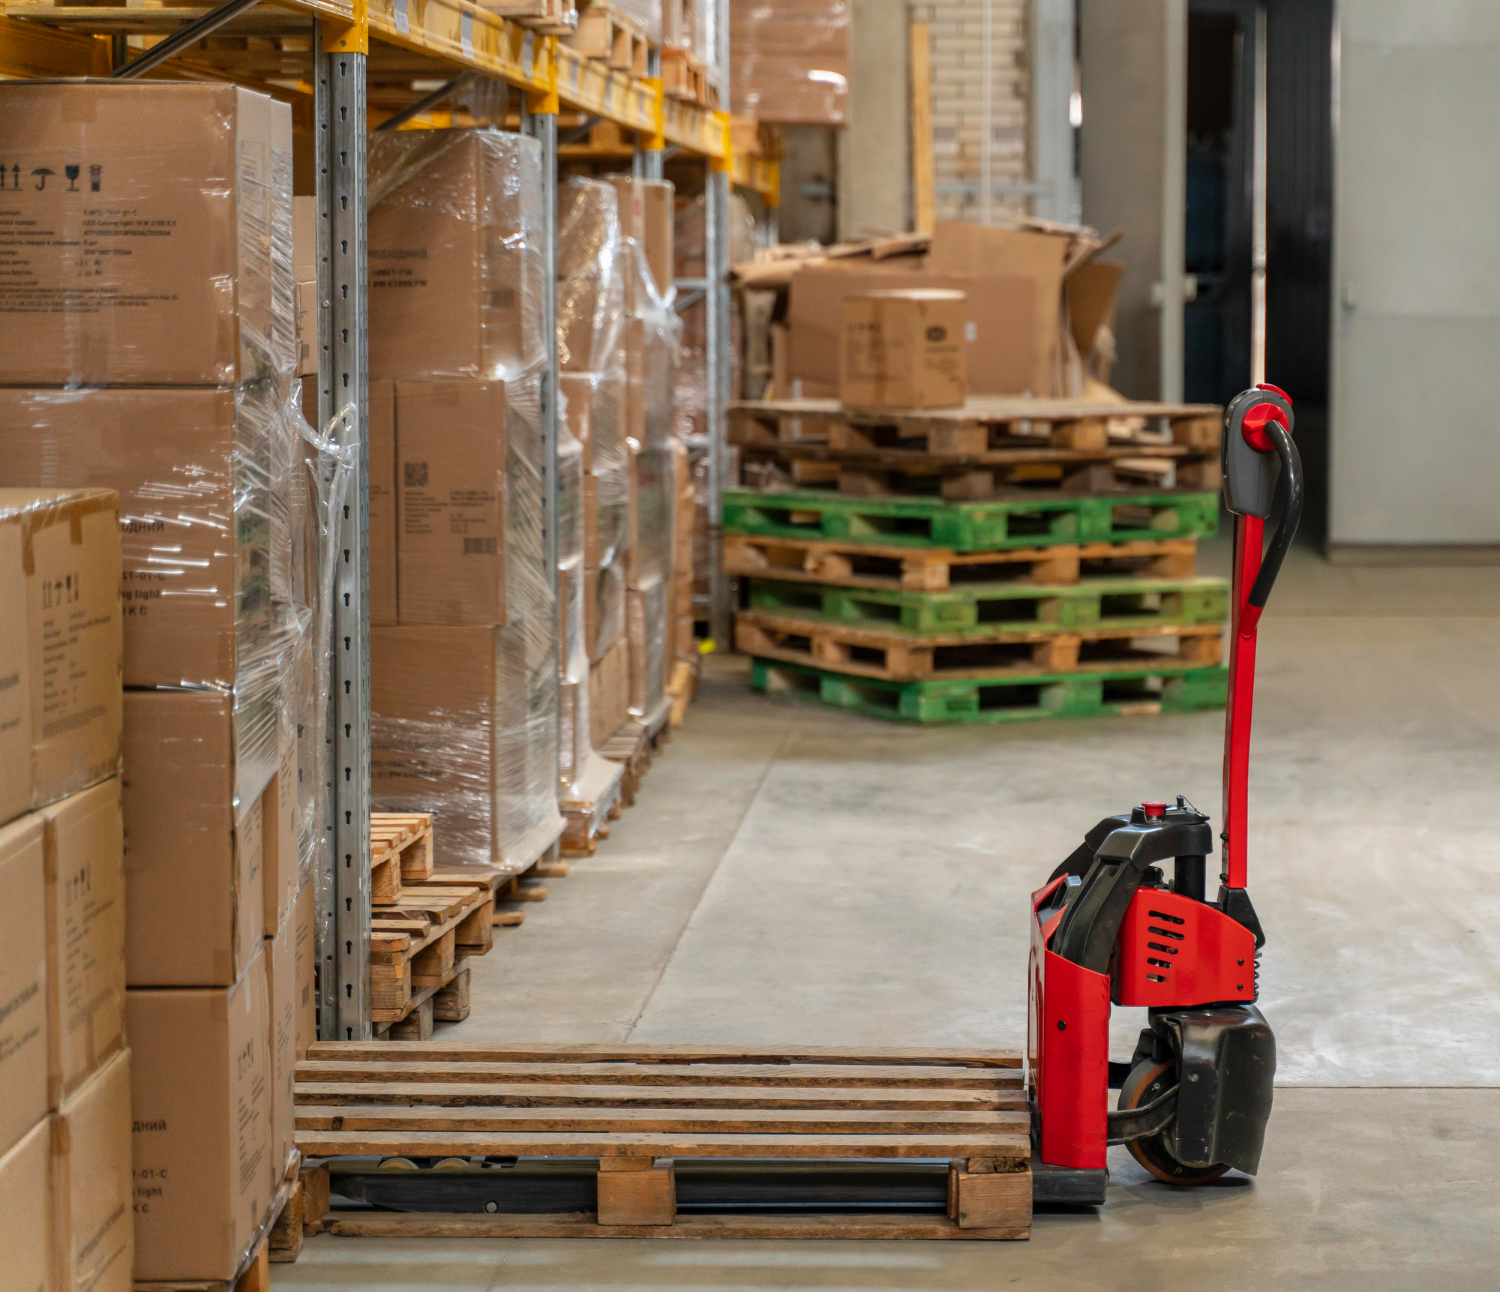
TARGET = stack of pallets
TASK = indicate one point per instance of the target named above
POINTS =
(1010, 559)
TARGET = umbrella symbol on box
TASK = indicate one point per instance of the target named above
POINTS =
(41, 173)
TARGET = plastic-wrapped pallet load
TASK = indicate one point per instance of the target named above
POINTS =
(463, 684)
(790, 60)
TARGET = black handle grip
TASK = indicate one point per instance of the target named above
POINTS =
(1291, 487)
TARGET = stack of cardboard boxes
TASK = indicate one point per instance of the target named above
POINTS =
(64, 1069)
(463, 644)
(617, 339)
(159, 364)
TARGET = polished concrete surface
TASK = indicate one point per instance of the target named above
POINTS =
(791, 873)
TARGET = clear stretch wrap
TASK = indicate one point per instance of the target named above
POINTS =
(573, 715)
(465, 706)
(789, 60)
(456, 264)
(647, 14)
(689, 25)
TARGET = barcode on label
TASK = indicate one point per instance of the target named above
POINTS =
(480, 547)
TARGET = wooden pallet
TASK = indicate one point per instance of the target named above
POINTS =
(874, 473)
(682, 688)
(1113, 693)
(419, 951)
(400, 850)
(684, 77)
(983, 423)
(612, 37)
(550, 17)
(899, 656)
(983, 608)
(637, 1109)
(589, 806)
(877, 566)
(631, 748)
(972, 526)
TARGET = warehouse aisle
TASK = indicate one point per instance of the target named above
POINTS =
(792, 873)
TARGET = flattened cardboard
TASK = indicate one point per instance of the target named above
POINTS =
(94, 1237)
(26, 1211)
(382, 431)
(23, 979)
(167, 190)
(450, 502)
(85, 919)
(194, 898)
(201, 1117)
(904, 349)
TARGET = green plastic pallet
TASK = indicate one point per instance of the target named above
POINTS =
(1092, 603)
(1061, 695)
(971, 526)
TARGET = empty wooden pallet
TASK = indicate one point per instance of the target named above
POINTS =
(419, 950)
(636, 1115)
(400, 851)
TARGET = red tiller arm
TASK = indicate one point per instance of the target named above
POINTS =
(1260, 463)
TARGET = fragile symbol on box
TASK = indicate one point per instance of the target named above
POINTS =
(72, 172)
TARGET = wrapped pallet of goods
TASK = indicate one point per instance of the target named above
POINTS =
(465, 721)
(789, 61)
(165, 369)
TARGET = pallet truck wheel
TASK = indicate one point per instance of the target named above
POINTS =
(1149, 1080)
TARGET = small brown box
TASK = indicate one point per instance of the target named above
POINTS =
(26, 1210)
(23, 980)
(92, 1185)
(904, 349)
(450, 502)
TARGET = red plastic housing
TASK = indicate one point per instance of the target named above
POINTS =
(1174, 952)
(1068, 1051)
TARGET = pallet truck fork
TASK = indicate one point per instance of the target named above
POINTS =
(1110, 927)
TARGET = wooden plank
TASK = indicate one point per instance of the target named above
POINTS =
(402, 1121)
(637, 1196)
(528, 1094)
(923, 168)
(583, 1225)
(608, 1052)
(391, 1065)
(990, 1200)
(1013, 1147)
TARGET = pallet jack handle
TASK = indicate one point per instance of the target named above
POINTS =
(1261, 463)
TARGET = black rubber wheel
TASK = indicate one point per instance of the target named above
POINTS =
(1148, 1081)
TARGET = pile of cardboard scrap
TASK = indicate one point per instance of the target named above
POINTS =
(1040, 303)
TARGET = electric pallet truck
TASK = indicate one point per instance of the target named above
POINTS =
(1109, 926)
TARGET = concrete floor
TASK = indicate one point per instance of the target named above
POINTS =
(794, 874)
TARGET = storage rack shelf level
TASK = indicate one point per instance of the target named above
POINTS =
(326, 70)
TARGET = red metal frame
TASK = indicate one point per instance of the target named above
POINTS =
(1175, 953)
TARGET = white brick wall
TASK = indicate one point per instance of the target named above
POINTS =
(957, 33)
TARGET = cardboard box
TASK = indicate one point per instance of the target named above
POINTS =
(1004, 355)
(456, 273)
(648, 543)
(280, 844)
(305, 294)
(60, 668)
(85, 925)
(382, 432)
(203, 562)
(648, 215)
(904, 349)
(305, 238)
(201, 1114)
(26, 1211)
(604, 607)
(609, 693)
(280, 959)
(194, 864)
(23, 979)
(141, 255)
(450, 502)
(646, 630)
(94, 1237)
(305, 950)
(593, 413)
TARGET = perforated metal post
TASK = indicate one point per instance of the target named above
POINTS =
(343, 392)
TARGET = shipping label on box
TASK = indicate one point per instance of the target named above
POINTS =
(904, 349)
(201, 1121)
(85, 897)
(26, 1211)
(450, 499)
(23, 978)
(91, 1183)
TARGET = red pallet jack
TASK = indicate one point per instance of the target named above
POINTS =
(1109, 926)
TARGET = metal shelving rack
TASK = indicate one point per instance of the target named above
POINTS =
(44, 40)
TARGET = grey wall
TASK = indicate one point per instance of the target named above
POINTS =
(874, 149)
(1416, 275)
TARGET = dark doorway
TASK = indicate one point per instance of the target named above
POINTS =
(1299, 200)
